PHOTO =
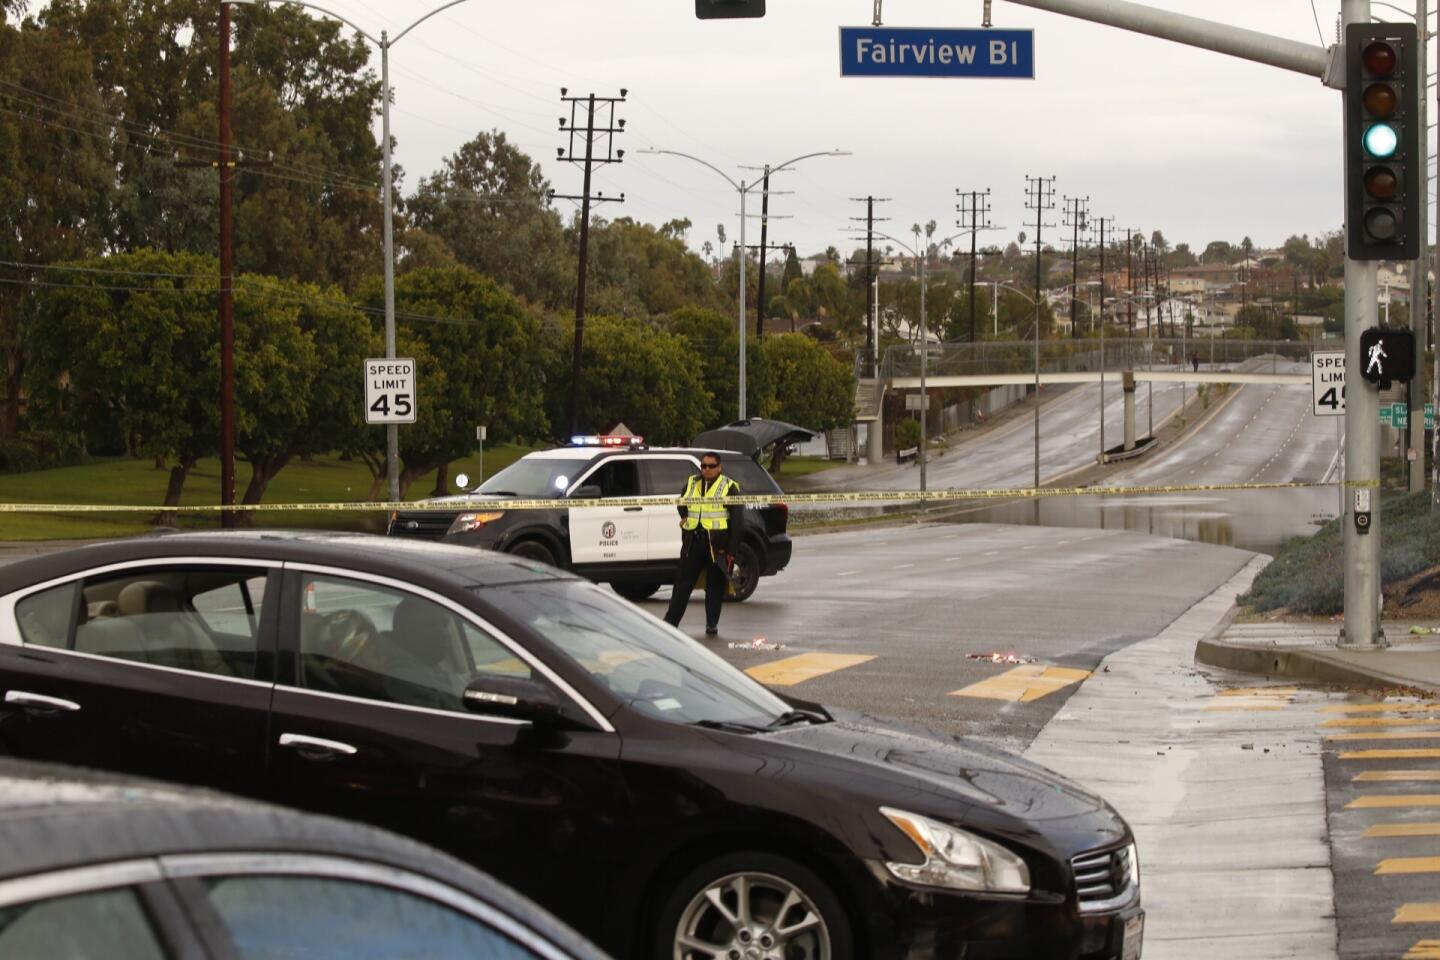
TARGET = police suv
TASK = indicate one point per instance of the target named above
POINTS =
(635, 549)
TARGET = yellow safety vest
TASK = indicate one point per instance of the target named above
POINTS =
(710, 516)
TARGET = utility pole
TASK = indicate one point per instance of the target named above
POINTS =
(1075, 212)
(977, 204)
(762, 251)
(1130, 278)
(1102, 221)
(764, 247)
(872, 334)
(588, 161)
(226, 164)
(1040, 197)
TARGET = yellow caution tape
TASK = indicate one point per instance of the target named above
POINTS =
(488, 505)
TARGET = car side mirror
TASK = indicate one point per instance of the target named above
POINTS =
(588, 492)
(513, 697)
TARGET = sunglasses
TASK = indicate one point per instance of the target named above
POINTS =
(709, 466)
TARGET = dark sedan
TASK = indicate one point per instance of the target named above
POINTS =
(531, 723)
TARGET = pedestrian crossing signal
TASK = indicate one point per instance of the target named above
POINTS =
(728, 9)
(1387, 355)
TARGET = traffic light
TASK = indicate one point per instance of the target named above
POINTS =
(726, 9)
(1387, 355)
(1383, 157)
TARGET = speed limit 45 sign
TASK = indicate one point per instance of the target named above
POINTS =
(1327, 381)
(390, 391)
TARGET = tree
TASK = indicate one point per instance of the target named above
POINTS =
(720, 233)
(1218, 251)
(490, 204)
(812, 388)
(480, 359)
(638, 374)
(130, 341)
(638, 270)
(56, 187)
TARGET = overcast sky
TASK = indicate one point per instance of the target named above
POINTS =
(1157, 135)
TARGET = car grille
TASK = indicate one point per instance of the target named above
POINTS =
(1105, 880)
(422, 524)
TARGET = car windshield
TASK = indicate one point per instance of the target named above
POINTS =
(653, 667)
(535, 477)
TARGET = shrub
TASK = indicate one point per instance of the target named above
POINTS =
(907, 434)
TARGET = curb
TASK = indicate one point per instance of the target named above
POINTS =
(1314, 665)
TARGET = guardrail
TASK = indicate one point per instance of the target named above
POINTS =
(1066, 356)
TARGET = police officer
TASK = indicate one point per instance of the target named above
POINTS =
(711, 531)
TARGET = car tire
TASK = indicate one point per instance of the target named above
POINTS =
(769, 881)
(635, 592)
(533, 550)
(747, 569)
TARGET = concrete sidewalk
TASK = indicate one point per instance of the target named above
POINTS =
(1310, 651)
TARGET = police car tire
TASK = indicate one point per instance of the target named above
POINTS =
(635, 592)
(534, 550)
(747, 559)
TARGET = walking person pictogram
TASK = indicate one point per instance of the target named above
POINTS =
(1377, 353)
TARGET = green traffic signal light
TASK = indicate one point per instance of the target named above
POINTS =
(1381, 140)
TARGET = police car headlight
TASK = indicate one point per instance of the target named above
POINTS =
(956, 859)
(474, 521)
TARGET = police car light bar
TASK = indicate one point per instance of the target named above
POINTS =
(606, 441)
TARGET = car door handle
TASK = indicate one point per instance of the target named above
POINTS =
(39, 702)
(316, 746)
(633, 509)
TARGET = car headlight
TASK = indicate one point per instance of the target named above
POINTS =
(956, 859)
(474, 521)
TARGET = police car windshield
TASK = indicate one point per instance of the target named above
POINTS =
(654, 668)
(535, 478)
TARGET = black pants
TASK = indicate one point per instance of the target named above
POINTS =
(695, 557)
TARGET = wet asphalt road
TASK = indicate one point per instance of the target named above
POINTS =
(919, 599)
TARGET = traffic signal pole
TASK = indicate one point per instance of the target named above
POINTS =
(1362, 421)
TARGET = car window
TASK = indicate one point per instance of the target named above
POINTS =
(616, 477)
(44, 617)
(87, 926)
(153, 616)
(652, 666)
(668, 476)
(367, 640)
(752, 477)
(282, 918)
(536, 477)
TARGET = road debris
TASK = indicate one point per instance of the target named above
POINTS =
(1008, 656)
(759, 643)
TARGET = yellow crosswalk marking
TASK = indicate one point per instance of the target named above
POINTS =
(1395, 800)
(1416, 753)
(1417, 913)
(1421, 706)
(1395, 776)
(1023, 684)
(1424, 950)
(1253, 698)
(1398, 735)
(1382, 830)
(806, 666)
(1407, 865)
(1286, 692)
(1383, 722)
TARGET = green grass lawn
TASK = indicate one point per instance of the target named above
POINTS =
(804, 466)
(326, 479)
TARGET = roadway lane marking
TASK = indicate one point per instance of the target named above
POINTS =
(1395, 776)
(847, 573)
(953, 559)
(1425, 706)
(1394, 800)
(1399, 735)
(1383, 722)
(1254, 698)
(807, 666)
(990, 554)
(1023, 684)
(905, 566)
(1424, 950)
(1419, 753)
(1403, 830)
(1417, 913)
(1395, 865)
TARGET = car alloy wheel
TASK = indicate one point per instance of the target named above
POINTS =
(752, 916)
(747, 573)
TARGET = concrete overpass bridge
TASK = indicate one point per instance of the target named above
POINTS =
(1064, 361)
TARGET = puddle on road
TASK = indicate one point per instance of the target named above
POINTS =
(1259, 520)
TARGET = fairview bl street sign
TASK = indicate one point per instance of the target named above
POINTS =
(939, 52)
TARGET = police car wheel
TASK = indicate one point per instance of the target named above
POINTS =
(747, 573)
(635, 592)
(533, 550)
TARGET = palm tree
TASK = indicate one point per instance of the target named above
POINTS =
(709, 248)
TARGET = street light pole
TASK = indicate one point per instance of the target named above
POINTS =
(742, 188)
